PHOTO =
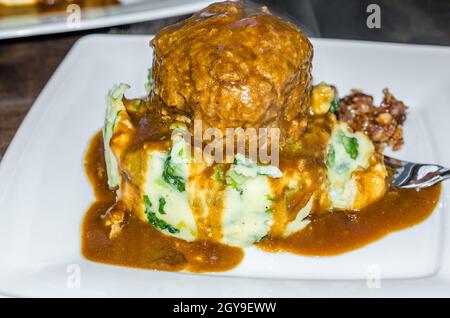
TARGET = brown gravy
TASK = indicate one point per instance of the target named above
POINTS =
(338, 232)
(139, 244)
(142, 246)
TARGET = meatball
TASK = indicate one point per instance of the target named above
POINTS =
(231, 66)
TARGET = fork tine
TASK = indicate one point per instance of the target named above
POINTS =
(405, 174)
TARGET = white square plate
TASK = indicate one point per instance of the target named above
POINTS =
(44, 192)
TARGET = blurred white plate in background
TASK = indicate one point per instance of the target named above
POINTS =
(127, 11)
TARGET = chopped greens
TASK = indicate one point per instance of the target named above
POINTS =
(350, 144)
(234, 184)
(154, 220)
(170, 177)
(162, 204)
(149, 84)
(115, 120)
(335, 104)
(160, 224)
(269, 197)
(147, 202)
(137, 104)
(219, 174)
(244, 168)
(149, 76)
(331, 157)
(234, 180)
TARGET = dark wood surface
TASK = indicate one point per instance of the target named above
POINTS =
(27, 64)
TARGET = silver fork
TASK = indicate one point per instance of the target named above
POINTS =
(415, 175)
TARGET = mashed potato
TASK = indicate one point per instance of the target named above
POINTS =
(234, 205)
(356, 173)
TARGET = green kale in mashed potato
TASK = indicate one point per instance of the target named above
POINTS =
(154, 220)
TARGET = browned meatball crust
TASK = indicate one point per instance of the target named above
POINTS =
(234, 66)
